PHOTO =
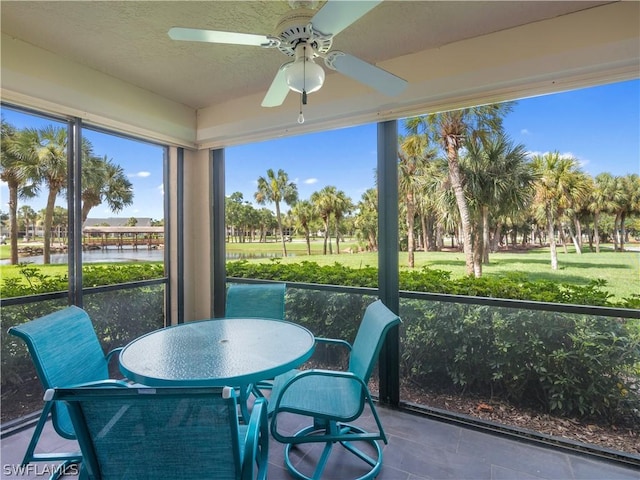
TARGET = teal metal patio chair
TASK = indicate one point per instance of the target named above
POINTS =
(65, 351)
(170, 432)
(331, 399)
(264, 300)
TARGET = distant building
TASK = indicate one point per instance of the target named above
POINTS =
(117, 222)
(109, 232)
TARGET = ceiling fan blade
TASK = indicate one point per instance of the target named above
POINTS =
(214, 36)
(278, 90)
(364, 72)
(336, 15)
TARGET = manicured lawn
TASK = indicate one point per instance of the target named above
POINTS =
(620, 270)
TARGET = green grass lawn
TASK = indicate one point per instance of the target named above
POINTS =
(621, 270)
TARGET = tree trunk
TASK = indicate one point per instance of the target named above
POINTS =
(477, 253)
(486, 237)
(594, 235)
(410, 223)
(426, 234)
(455, 177)
(373, 242)
(562, 237)
(616, 234)
(48, 222)
(576, 242)
(284, 246)
(496, 237)
(552, 242)
(623, 232)
(13, 228)
(326, 235)
(578, 225)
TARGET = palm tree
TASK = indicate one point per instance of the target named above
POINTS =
(60, 222)
(436, 205)
(233, 213)
(450, 129)
(413, 155)
(49, 146)
(366, 221)
(276, 189)
(323, 202)
(266, 222)
(557, 189)
(104, 181)
(500, 180)
(29, 217)
(304, 215)
(17, 170)
(580, 189)
(629, 203)
(342, 205)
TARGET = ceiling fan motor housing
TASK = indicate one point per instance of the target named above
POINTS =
(295, 27)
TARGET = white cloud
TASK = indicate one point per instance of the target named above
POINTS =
(581, 162)
(141, 174)
(310, 181)
(160, 188)
(524, 131)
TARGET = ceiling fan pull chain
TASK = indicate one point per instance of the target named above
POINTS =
(301, 117)
(304, 77)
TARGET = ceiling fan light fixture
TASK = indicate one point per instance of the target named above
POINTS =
(304, 75)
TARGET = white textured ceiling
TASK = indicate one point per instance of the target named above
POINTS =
(128, 39)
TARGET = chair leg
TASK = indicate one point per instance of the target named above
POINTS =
(31, 448)
(335, 429)
(30, 455)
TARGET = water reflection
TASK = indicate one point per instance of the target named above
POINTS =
(128, 255)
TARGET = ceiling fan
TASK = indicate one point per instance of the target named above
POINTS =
(305, 34)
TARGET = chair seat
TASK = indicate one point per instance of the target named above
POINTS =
(336, 397)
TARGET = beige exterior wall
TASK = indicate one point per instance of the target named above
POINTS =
(197, 235)
(33, 77)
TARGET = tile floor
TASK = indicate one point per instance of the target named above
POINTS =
(419, 448)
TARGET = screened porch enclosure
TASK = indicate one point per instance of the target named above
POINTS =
(99, 66)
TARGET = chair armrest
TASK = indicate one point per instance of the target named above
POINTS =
(320, 372)
(112, 353)
(334, 341)
(256, 449)
(287, 395)
(109, 383)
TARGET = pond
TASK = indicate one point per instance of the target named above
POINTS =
(127, 255)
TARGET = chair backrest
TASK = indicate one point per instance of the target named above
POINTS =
(265, 300)
(65, 351)
(377, 321)
(149, 433)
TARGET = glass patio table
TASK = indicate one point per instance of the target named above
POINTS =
(220, 352)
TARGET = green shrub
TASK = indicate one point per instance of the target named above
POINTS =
(513, 285)
(33, 281)
(569, 364)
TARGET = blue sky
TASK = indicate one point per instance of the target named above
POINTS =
(599, 126)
